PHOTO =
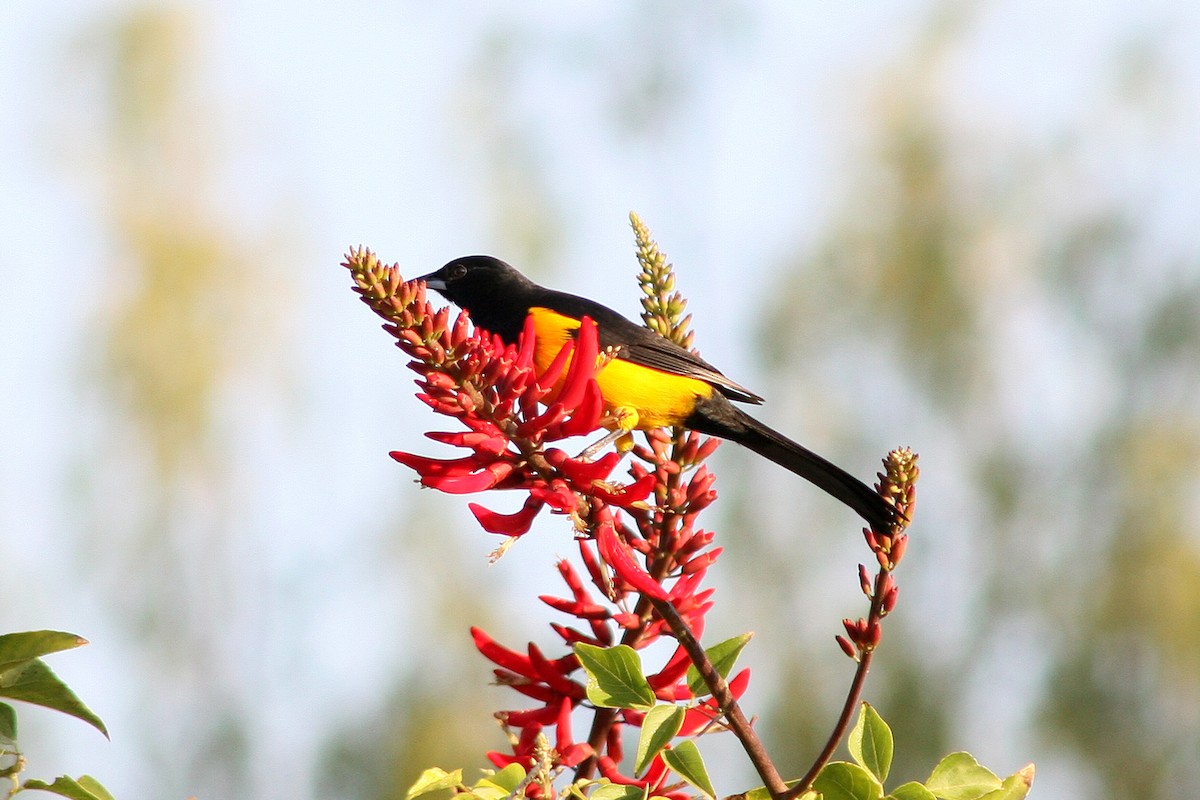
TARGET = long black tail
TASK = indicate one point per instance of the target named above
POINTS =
(716, 416)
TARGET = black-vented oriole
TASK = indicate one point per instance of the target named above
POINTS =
(652, 382)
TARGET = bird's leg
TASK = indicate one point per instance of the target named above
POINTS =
(626, 420)
(595, 447)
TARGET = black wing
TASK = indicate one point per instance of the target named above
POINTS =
(641, 345)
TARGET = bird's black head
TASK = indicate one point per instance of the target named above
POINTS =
(495, 295)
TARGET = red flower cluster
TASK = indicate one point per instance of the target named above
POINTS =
(638, 541)
(557, 684)
(494, 390)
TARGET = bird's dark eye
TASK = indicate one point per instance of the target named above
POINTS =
(457, 271)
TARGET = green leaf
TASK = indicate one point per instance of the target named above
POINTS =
(33, 682)
(1015, 786)
(685, 760)
(94, 786)
(575, 789)
(871, 742)
(911, 791)
(506, 780)
(658, 729)
(615, 791)
(16, 647)
(761, 793)
(960, 777)
(615, 678)
(8, 723)
(69, 787)
(723, 656)
(432, 780)
(482, 792)
(841, 780)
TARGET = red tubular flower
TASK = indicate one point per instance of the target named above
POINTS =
(573, 580)
(576, 607)
(529, 717)
(573, 637)
(673, 693)
(550, 673)
(523, 751)
(704, 714)
(686, 591)
(656, 778)
(490, 477)
(538, 692)
(628, 621)
(672, 671)
(579, 472)
(618, 555)
(557, 494)
(530, 428)
(569, 752)
(625, 496)
(702, 562)
(608, 769)
(587, 413)
(516, 524)
(489, 443)
(437, 467)
(582, 367)
(498, 654)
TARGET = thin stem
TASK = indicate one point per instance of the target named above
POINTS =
(839, 730)
(852, 697)
(725, 700)
(601, 724)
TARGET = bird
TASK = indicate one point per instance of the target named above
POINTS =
(649, 381)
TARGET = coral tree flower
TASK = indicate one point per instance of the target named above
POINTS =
(494, 390)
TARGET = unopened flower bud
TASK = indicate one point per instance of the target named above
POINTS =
(889, 600)
(847, 648)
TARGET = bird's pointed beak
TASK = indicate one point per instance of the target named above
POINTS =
(433, 281)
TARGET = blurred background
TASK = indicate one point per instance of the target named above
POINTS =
(968, 227)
